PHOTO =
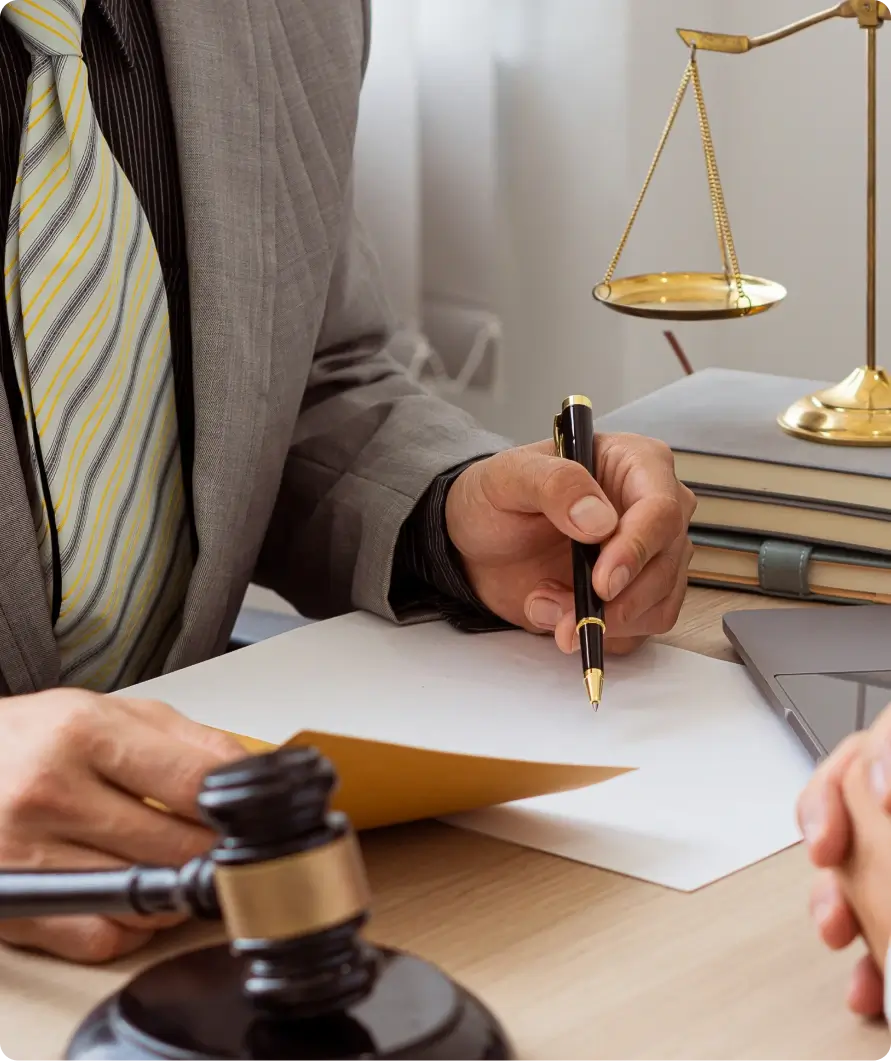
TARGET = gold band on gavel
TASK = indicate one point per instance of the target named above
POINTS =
(591, 622)
(296, 895)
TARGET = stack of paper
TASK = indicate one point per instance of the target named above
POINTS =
(715, 778)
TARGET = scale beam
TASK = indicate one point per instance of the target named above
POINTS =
(867, 12)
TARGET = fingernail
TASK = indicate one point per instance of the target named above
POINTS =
(878, 779)
(812, 821)
(825, 904)
(822, 911)
(544, 613)
(618, 580)
(591, 516)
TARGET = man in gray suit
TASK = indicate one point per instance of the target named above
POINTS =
(199, 390)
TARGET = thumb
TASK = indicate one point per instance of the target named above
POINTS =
(530, 481)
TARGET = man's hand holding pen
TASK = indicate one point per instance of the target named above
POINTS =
(510, 516)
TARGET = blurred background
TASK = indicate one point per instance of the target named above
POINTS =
(502, 146)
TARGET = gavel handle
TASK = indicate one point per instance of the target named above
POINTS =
(189, 889)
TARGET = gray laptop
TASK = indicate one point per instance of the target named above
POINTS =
(825, 670)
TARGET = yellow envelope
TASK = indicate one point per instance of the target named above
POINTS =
(386, 784)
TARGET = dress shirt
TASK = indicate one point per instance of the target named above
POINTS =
(128, 88)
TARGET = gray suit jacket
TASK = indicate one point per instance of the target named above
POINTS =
(311, 446)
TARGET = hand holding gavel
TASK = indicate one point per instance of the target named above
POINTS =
(75, 771)
(296, 978)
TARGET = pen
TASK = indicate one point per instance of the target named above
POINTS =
(574, 440)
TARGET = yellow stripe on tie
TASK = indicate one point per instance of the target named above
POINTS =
(36, 21)
(90, 330)
(113, 278)
(74, 243)
(49, 14)
(50, 107)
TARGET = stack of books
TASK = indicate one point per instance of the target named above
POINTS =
(776, 515)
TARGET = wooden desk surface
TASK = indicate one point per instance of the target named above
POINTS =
(578, 963)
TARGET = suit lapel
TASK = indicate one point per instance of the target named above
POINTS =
(29, 658)
(221, 113)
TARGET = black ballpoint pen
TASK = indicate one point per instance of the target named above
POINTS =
(574, 440)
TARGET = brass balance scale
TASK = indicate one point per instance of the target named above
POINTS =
(856, 411)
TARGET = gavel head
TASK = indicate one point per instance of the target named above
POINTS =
(290, 882)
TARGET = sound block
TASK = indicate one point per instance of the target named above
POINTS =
(192, 1006)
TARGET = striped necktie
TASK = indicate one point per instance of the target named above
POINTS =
(87, 312)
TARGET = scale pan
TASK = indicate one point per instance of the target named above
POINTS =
(689, 296)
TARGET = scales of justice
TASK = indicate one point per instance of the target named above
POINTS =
(855, 412)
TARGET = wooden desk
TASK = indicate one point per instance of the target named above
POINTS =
(578, 963)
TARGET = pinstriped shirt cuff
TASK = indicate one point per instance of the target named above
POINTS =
(427, 571)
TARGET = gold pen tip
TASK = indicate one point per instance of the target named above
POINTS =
(594, 686)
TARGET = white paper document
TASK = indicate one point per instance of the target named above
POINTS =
(715, 789)
(717, 773)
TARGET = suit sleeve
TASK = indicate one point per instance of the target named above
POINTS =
(369, 444)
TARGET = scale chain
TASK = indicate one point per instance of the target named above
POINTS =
(722, 221)
(675, 107)
(719, 209)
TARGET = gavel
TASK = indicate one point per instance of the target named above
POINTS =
(296, 979)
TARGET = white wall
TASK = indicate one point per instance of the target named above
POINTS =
(561, 178)
(579, 94)
(388, 196)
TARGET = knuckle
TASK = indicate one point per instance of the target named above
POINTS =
(671, 573)
(639, 551)
(624, 616)
(99, 941)
(75, 722)
(40, 781)
(221, 745)
(671, 516)
(152, 708)
(681, 563)
(34, 791)
(189, 845)
(557, 479)
(667, 613)
(661, 451)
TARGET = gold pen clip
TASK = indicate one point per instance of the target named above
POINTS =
(558, 438)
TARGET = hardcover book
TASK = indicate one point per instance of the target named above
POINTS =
(782, 568)
(722, 426)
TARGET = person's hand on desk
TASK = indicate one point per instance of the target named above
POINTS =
(845, 816)
(509, 516)
(74, 771)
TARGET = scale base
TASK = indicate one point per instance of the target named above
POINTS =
(193, 1006)
(856, 412)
